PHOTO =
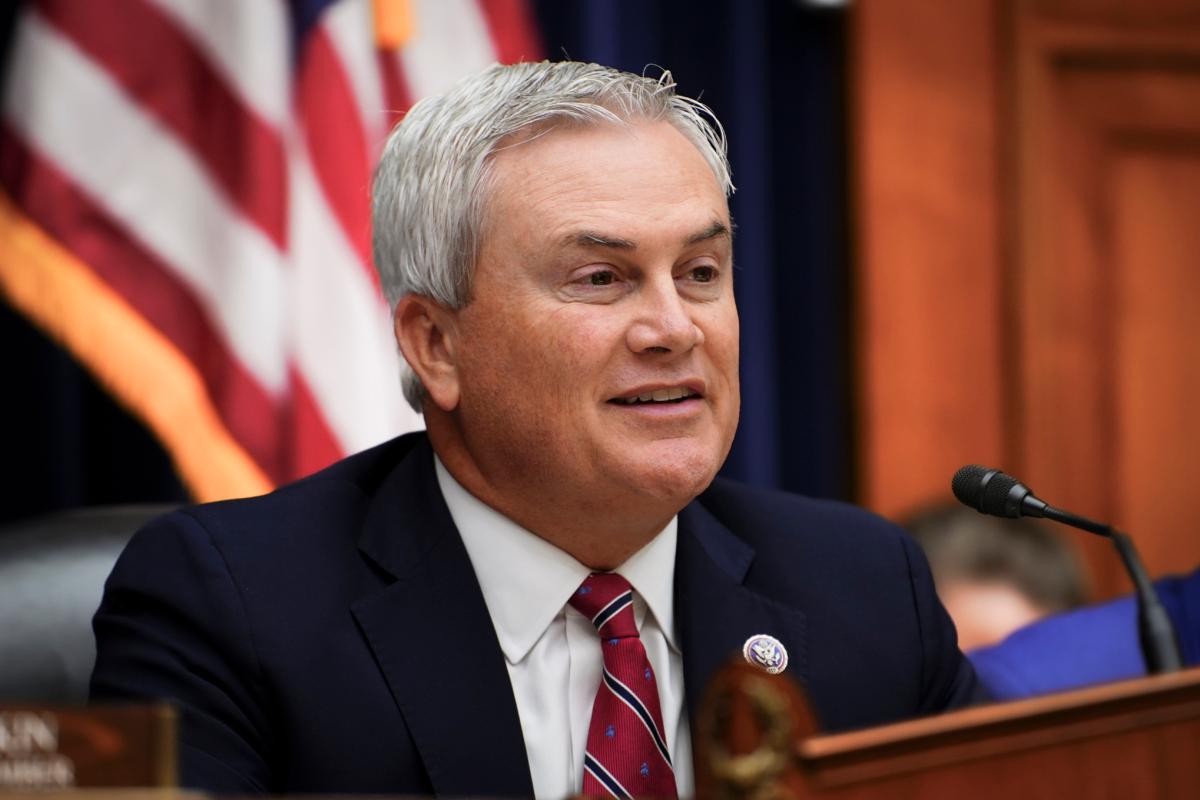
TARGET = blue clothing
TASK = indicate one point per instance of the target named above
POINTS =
(1085, 646)
(331, 636)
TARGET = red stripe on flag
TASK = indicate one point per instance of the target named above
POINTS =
(514, 33)
(312, 444)
(82, 226)
(337, 142)
(397, 97)
(171, 79)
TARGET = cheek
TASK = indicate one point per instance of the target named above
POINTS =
(521, 359)
(574, 344)
(721, 336)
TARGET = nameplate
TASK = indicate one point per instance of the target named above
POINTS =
(51, 747)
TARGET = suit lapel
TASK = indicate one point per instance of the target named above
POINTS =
(716, 611)
(433, 638)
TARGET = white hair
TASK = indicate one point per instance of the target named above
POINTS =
(432, 180)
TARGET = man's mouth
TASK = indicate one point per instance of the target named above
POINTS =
(674, 394)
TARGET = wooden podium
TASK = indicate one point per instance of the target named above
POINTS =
(1135, 739)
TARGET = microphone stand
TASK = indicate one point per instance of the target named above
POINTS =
(1155, 631)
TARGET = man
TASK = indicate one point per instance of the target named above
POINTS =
(426, 617)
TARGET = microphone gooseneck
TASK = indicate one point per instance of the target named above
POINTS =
(990, 491)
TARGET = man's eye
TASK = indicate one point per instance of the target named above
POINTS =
(704, 274)
(601, 278)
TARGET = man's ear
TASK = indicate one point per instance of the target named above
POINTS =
(425, 331)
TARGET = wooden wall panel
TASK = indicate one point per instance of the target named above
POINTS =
(1028, 269)
(1098, 104)
(1156, 252)
(928, 288)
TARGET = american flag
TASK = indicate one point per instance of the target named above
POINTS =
(185, 207)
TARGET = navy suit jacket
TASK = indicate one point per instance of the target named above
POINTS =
(332, 637)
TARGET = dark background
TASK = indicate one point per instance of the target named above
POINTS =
(774, 72)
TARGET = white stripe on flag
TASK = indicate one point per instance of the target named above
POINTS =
(351, 30)
(248, 44)
(64, 104)
(340, 327)
(452, 40)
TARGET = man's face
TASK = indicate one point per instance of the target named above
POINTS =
(598, 358)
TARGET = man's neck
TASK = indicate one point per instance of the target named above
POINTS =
(601, 533)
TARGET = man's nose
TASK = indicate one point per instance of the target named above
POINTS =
(665, 321)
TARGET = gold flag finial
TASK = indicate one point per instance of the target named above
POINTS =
(393, 23)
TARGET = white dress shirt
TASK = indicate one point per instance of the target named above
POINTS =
(552, 651)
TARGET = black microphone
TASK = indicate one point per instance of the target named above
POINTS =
(990, 491)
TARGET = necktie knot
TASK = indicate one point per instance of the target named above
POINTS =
(607, 600)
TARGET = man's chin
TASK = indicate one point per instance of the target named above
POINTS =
(673, 483)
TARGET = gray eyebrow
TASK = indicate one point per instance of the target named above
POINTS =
(713, 231)
(593, 239)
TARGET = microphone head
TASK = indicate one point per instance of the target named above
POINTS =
(967, 484)
(988, 491)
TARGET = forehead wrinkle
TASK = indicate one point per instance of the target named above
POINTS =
(593, 209)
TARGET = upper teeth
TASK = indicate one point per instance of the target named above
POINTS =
(660, 395)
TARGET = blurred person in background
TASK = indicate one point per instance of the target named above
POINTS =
(1015, 591)
(995, 576)
(1089, 645)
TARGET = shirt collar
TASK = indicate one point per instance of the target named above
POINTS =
(526, 581)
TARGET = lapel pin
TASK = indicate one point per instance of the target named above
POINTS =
(766, 652)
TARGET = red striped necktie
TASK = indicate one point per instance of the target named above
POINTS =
(627, 752)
